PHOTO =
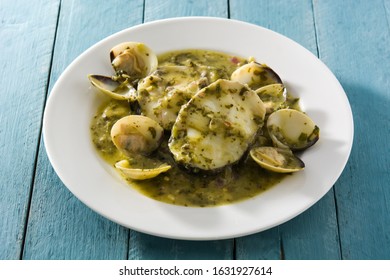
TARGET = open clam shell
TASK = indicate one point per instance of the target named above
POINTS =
(255, 75)
(112, 87)
(289, 128)
(130, 172)
(277, 159)
(136, 134)
(134, 59)
(273, 96)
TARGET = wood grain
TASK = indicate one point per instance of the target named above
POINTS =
(143, 246)
(156, 9)
(354, 41)
(27, 35)
(313, 234)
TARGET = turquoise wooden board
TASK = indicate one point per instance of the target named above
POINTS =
(60, 227)
(156, 9)
(146, 247)
(313, 234)
(354, 41)
(41, 219)
(143, 246)
(27, 34)
(266, 245)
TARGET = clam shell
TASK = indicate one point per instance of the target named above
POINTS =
(289, 128)
(273, 96)
(255, 75)
(135, 134)
(277, 159)
(133, 59)
(113, 88)
(138, 173)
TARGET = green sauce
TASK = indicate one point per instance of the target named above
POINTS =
(234, 183)
(178, 186)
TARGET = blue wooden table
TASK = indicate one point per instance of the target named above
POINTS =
(41, 219)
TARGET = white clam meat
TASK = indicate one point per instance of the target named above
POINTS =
(135, 173)
(136, 134)
(134, 59)
(216, 126)
(277, 159)
(289, 128)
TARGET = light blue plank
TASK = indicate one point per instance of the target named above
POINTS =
(293, 19)
(157, 9)
(143, 246)
(313, 234)
(354, 41)
(27, 34)
(60, 227)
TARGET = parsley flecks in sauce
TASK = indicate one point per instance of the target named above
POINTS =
(178, 186)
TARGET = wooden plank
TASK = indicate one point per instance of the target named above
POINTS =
(354, 41)
(143, 246)
(313, 234)
(156, 9)
(60, 227)
(265, 245)
(146, 247)
(27, 34)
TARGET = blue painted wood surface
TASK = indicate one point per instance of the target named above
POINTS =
(26, 42)
(41, 219)
(357, 48)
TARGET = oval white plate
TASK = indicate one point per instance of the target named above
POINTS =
(72, 104)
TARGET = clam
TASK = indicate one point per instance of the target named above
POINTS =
(120, 89)
(135, 173)
(133, 59)
(289, 128)
(273, 96)
(136, 134)
(277, 159)
(255, 75)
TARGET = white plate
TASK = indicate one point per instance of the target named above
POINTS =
(72, 104)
